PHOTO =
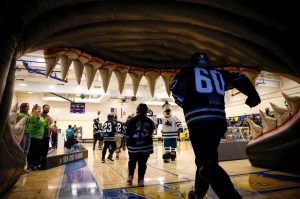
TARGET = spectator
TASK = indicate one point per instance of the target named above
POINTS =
(69, 131)
(46, 136)
(72, 142)
(25, 142)
(37, 125)
(53, 131)
(269, 113)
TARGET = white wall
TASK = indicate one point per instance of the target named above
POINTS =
(60, 111)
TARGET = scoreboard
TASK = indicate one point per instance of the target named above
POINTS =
(77, 108)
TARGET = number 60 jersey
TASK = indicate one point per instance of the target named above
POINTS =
(200, 92)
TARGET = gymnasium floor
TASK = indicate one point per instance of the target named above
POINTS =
(90, 178)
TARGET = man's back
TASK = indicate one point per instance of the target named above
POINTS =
(109, 130)
(200, 92)
(139, 132)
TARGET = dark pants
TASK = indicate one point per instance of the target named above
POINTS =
(141, 158)
(97, 137)
(45, 148)
(107, 144)
(205, 139)
(54, 142)
(35, 152)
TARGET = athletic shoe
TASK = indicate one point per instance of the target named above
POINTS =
(129, 180)
(27, 170)
(192, 194)
(141, 183)
(103, 161)
(34, 168)
(110, 159)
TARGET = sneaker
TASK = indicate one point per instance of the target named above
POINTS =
(42, 167)
(110, 159)
(141, 183)
(129, 180)
(26, 171)
(192, 194)
(103, 161)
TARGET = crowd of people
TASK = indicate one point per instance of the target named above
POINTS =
(256, 118)
(135, 134)
(37, 132)
(198, 90)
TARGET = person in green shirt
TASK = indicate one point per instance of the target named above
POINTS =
(36, 126)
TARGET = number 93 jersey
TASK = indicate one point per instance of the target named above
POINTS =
(200, 92)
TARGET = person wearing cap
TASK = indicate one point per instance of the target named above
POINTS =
(200, 91)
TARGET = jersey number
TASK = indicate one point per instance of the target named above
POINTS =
(203, 81)
(107, 127)
(119, 127)
(141, 130)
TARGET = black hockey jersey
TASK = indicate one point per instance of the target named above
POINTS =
(97, 127)
(109, 130)
(119, 127)
(139, 134)
(200, 92)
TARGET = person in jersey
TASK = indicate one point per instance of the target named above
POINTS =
(109, 130)
(118, 136)
(97, 131)
(200, 91)
(139, 143)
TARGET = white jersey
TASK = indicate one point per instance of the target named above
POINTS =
(170, 126)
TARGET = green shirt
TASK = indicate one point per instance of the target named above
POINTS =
(37, 126)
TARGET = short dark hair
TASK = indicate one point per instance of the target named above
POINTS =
(45, 105)
(142, 108)
(110, 117)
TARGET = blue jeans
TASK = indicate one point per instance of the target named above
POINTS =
(75, 147)
(25, 143)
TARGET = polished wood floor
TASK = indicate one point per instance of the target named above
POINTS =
(162, 180)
